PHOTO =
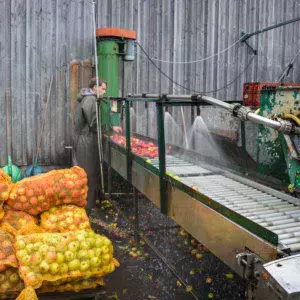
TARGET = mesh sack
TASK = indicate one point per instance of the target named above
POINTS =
(48, 257)
(1, 212)
(72, 286)
(39, 193)
(19, 222)
(7, 253)
(28, 294)
(10, 283)
(65, 218)
(5, 186)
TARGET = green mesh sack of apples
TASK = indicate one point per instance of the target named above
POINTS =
(65, 218)
(7, 252)
(5, 186)
(48, 257)
(10, 284)
(19, 223)
(39, 193)
(72, 286)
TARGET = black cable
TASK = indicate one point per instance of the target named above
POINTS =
(178, 84)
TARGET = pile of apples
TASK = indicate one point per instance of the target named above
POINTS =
(53, 256)
(10, 283)
(139, 147)
(65, 218)
(5, 186)
(37, 194)
(7, 256)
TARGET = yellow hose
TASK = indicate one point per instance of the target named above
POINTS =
(294, 118)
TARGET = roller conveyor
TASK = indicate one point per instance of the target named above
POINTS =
(267, 209)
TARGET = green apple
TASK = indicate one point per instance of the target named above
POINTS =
(61, 247)
(69, 255)
(74, 265)
(82, 254)
(106, 259)
(44, 249)
(105, 250)
(98, 242)
(73, 246)
(63, 268)
(54, 268)
(37, 246)
(60, 258)
(50, 257)
(20, 244)
(149, 161)
(91, 242)
(91, 253)
(2, 278)
(44, 267)
(97, 251)
(84, 245)
(95, 262)
(84, 266)
(26, 260)
(36, 258)
(13, 278)
(22, 253)
(80, 237)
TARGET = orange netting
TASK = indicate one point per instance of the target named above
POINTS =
(10, 283)
(7, 252)
(65, 218)
(39, 193)
(72, 286)
(5, 186)
(1, 212)
(19, 222)
(53, 256)
(28, 294)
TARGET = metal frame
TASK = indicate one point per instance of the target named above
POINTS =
(159, 193)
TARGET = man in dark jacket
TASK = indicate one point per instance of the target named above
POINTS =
(86, 153)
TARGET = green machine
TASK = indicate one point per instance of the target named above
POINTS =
(113, 43)
(279, 153)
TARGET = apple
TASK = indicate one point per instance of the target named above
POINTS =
(106, 259)
(44, 248)
(105, 250)
(29, 248)
(149, 161)
(5, 286)
(98, 242)
(37, 245)
(91, 253)
(73, 246)
(82, 254)
(22, 253)
(61, 247)
(54, 268)
(91, 242)
(74, 265)
(20, 244)
(60, 258)
(84, 266)
(84, 245)
(44, 267)
(2, 278)
(98, 252)
(69, 255)
(26, 260)
(52, 209)
(69, 220)
(50, 257)
(95, 262)
(69, 214)
(64, 268)
(36, 258)
(13, 278)
(24, 270)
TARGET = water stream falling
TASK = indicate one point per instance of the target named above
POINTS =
(200, 140)
(173, 133)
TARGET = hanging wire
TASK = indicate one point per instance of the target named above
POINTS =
(191, 90)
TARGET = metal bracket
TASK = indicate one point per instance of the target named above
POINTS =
(252, 265)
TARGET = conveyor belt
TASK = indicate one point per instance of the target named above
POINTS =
(267, 209)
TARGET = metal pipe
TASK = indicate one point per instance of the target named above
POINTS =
(295, 247)
(248, 35)
(99, 131)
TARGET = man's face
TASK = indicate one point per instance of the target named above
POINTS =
(101, 89)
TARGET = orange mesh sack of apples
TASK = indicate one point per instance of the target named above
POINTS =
(10, 284)
(5, 186)
(72, 286)
(7, 253)
(48, 257)
(19, 223)
(65, 218)
(39, 193)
